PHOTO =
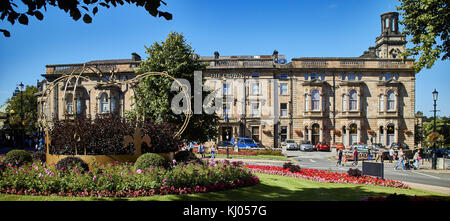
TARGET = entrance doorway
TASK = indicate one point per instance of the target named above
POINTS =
(315, 134)
(390, 134)
(353, 134)
(226, 133)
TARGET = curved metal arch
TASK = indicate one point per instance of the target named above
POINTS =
(66, 78)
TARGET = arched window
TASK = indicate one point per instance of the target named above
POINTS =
(391, 100)
(69, 103)
(353, 100)
(315, 100)
(104, 103)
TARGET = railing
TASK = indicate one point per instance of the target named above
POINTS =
(238, 62)
(103, 67)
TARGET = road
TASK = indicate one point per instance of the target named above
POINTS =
(324, 161)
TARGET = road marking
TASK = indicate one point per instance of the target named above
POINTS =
(313, 161)
(426, 175)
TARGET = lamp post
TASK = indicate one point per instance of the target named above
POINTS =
(434, 157)
(21, 113)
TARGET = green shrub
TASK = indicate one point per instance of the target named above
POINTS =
(39, 155)
(18, 157)
(149, 160)
(71, 162)
(185, 156)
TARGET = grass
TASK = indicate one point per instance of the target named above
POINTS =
(271, 188)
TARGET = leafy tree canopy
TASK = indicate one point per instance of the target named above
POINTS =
(28, 110)
(153, 96)
(77, 9)
(428, 23)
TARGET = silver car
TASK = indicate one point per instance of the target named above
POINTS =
(289, 145)
(306, 146)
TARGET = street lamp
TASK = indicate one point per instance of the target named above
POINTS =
(21, 112)
(434, 157)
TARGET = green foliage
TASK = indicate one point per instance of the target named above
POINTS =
(442, 128)
(74, 8)
(116, 178)
(39, 156)
(153, 95)
(150, 160)
(27, 102)
(18, 157)
(427, 22)
(185, 156)
(72, 162)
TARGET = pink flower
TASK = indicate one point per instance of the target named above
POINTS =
(139, 171)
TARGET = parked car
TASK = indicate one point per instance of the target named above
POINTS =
(397, 146)
(289, 145)
(306, 146)
(225, 144)
(323, 146)
(244, 142)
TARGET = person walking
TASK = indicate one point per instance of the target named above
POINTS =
(401, 158)
(213, 150)
(416, 159)
(369, 155)
(355, 157)
(339, 162)
(391, 154)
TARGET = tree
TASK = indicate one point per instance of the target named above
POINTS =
(33, 8)
(428, 23)
(28, 110)
(153, 96)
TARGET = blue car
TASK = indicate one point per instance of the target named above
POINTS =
(244, 142)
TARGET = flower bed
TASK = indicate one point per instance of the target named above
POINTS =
(123, 180)
(326, 176)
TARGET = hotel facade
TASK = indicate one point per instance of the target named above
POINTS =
(366, 99)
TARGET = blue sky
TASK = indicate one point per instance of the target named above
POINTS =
(324, 28)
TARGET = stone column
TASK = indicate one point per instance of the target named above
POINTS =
(396, 133)
(310, 133)
(347, 137)
(385, 136)
(321, 133)
(358, 134)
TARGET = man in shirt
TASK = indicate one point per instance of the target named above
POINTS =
(391, 154)
(400, 159)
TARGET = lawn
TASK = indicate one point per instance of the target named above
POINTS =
(271, 188)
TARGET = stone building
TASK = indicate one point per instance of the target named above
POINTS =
(367, 99)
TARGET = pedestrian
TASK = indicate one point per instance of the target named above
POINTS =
(213, 150)
(355, 157)
(391, 154)
(369, 155)
(416, 159)
(339, 163)
(379, 156)
(401, 158)
(203, 151)
(191, 148)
